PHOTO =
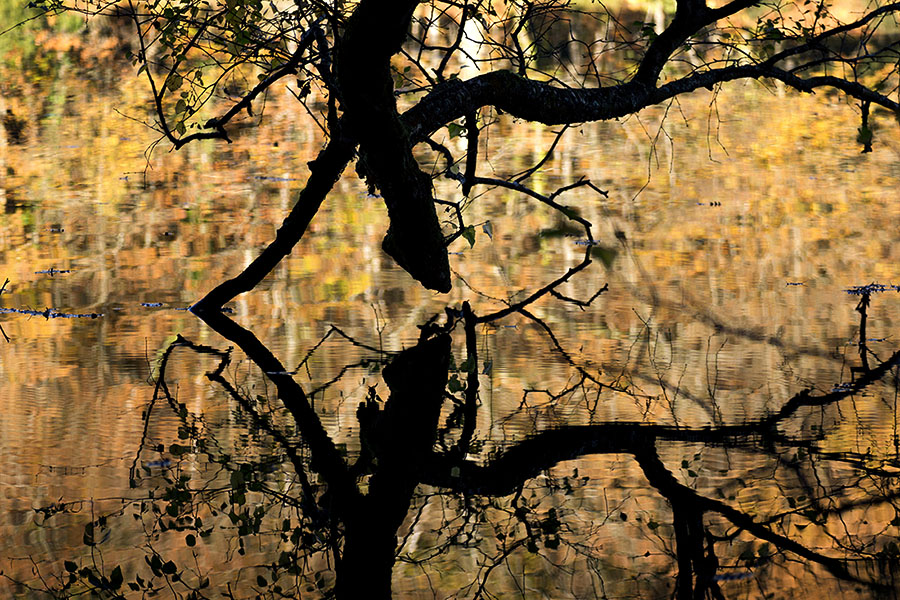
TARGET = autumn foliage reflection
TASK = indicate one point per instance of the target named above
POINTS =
(291, 512)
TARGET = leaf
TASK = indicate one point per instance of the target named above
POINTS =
(88, 537)
(261, 581)
(469, 234)
(454, 385)
(175, 81)
(190, 540)
(488, 229)
(455, 130)
(115, 578)
(864, 135)
(70, 566)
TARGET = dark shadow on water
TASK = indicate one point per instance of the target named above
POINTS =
(418, 496)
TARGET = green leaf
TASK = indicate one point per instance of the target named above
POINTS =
(455, 130)
(469, 234)
(175, 81)
(864, 135)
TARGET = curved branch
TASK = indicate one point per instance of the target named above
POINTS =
(326, 169)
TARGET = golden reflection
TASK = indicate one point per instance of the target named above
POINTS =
(734, 222)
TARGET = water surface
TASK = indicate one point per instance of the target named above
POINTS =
(727, 244)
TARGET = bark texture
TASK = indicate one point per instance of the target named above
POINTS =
(375, 32)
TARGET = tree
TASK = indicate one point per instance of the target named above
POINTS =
(381, 79)
(346, 520)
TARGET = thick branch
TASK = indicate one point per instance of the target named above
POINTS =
(324, 173)
(375, 32)
(551, 105)
(522, 98)
(326, 460)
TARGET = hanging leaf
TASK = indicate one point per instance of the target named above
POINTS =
(455, 130)
(469, 234)
(174, 82)
(488, 229)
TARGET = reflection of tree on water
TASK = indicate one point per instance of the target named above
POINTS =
(354, 521)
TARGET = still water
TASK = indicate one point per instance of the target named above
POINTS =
(705, 426)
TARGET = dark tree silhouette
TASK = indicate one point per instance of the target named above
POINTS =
(381, 78)
(343, 528)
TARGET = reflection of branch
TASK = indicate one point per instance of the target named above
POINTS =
(862, 309)
(259, 421)
(336, 330)
(160, 387)
(562, 351)
(528, 458)
(805, 399)
(471, 407)
(661, 479)
(3, 289)
(326, 460)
